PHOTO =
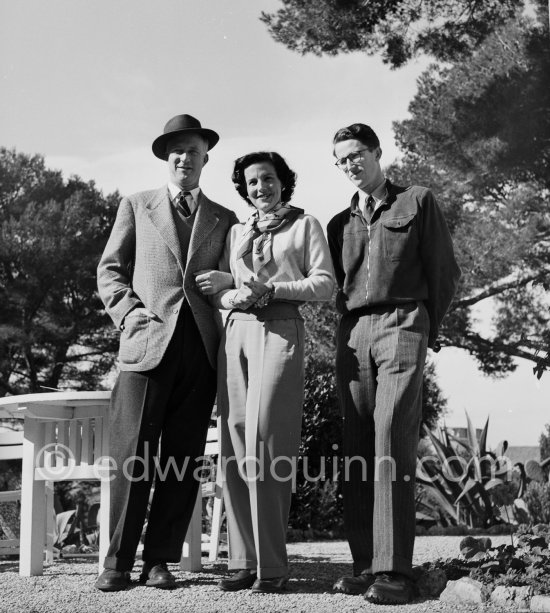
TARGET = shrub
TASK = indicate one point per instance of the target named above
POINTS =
(537, 499)
(10, 479)
(467, 483)
(317, 503)
(528, 564)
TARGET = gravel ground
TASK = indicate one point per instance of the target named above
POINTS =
(67, 586)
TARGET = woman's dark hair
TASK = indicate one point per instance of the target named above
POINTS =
(286, 176)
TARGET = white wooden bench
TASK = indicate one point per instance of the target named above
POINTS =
(65, 436)
(11, 448)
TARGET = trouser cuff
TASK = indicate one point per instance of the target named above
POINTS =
(123, 564)
(393, 564)
(270, 573)
(240, 564)
(362, 567)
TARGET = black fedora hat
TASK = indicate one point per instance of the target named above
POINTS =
(182, 124)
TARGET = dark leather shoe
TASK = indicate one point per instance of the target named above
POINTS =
(113, 580)
(390, 588)
(241, 580)
(273, 585)
(354, 585)
(157, 575)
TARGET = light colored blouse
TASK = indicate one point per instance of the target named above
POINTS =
(300, 269)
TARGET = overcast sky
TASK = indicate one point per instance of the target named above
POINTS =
(90, 84)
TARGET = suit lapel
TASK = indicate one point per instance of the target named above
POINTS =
(205, 221)
(160, 213)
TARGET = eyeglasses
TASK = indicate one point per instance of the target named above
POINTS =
(354, 157)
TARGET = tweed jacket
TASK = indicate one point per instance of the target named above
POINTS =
(142, 266)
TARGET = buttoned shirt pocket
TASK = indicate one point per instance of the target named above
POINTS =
(134, 338)
(400, 237)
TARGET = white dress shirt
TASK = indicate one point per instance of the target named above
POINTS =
(192, 201)
(379, 194)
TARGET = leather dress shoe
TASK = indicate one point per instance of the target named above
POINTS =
(241, 580)
(390, 588)
(273, 585)
(112, 580)
(157, 575)
(358, 584)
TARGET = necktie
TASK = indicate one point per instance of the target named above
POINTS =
(182, 203)
(369, 208)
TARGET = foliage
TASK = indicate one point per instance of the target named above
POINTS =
(503, 496)
(459, 475)
(321, 440)
(398, 30)
(64, 527)
(544, 443)
(528, 564)
(471, 546)
(535, 470)
(71, 493)
(10, 480)
(53, 330)
(10, 475)
(537, 499)
(77, 526)
(479, 136)
(434, 404)
(486, 117)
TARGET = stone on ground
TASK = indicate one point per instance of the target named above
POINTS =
(540, 604)
(464, 591)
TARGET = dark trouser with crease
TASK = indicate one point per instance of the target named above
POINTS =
(379, 367)
(172, 401)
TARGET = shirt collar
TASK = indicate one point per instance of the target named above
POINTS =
(174, 191)
(380, 194)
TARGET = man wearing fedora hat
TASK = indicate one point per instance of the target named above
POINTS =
(169, 340)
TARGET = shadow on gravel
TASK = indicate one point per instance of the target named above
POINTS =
(308, 574)
(315, 575)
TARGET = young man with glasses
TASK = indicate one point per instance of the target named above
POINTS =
(397, 275)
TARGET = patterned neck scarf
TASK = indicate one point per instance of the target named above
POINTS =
(257, 234)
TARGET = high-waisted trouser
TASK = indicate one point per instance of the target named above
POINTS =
(260, 398)
(174, 402)
(379, 367)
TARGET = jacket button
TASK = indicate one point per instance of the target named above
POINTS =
(175, 310)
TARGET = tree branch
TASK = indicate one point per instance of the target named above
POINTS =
(512, 349)
(9, 389)
(496, 289)
(81, 356)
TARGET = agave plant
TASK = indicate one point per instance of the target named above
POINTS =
(462, 473)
